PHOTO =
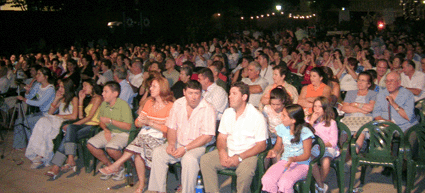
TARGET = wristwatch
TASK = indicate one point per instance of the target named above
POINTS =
(239, 158)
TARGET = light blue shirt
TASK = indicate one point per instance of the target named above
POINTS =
(43, 96)
(127, 93)
(404, 99)
(293, 149)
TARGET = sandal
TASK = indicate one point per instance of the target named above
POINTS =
(179, 189)
(138, 190)
(51, 174)
(68, 167)
(107, 171)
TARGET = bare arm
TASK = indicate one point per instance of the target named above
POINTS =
(258, 148)
(415, 91)
(96, 103)
(253, 89)
(74, 113)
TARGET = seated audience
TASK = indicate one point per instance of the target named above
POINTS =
(242, 136)
(40, 144)
(153, 131)
(322, 120)
(89, 100)
(395, 103)
(295, 137)
(256, 83)
(191, 125)
(317, 88)
(116, 120)
(40, 95)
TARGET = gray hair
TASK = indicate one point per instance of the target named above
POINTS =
(256, 65)
(120, 72)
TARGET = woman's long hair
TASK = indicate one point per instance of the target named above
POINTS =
(328, 112)
(69, 94)
(296, 112)
(96, 90)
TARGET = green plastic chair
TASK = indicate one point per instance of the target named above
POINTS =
(422, 111)
(379, 153)
(256, 180)
(306, 184)
(294, 80)
(344, 136)
(418, 161)
(83, 152)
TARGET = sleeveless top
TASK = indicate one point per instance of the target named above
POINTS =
(67, 111)
(314, 93)
(95, 119)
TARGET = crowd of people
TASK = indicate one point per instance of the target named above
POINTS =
(233, 93)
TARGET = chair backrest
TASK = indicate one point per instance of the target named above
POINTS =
(419, 130)
(422, 110)
(382, 133)
(344, 135)
(318, 141)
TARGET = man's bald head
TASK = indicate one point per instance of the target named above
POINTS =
(393, 81)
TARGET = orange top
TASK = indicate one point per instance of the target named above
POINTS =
(314, 93)
(159, 116)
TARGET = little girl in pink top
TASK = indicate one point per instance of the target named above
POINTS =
(326, 128)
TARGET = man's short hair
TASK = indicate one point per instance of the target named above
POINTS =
(193, 84)
(248, 58)
(139, 65)
(256, 65)
(411, 63)
(120, 72)
(114, 86)
(206, 72)
(386, 62)
(107, 63)
(265, 56)
(283, 70)
(243, 88)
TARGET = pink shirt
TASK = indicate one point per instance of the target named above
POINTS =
(327, 134)
(201, 121)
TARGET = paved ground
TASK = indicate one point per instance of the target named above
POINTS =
(16, 177)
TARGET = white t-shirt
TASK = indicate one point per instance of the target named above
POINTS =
(417, 81)
(254, 99)
(243, 133)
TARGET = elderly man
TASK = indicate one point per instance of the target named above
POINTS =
(191, 125)
(413, 80)
(395, 103)
(242, 136)
(256, 83)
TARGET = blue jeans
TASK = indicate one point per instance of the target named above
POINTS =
(21, 135)
(68, 145)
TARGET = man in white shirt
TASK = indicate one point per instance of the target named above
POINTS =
(382, 69)
(256, 83)
(413, 80)
(212, 93)
(266, 69)
(200, 58)
(242, 135)
(135, 76)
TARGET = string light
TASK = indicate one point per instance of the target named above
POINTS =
(290, 15)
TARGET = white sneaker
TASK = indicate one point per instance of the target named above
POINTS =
(321, 190)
